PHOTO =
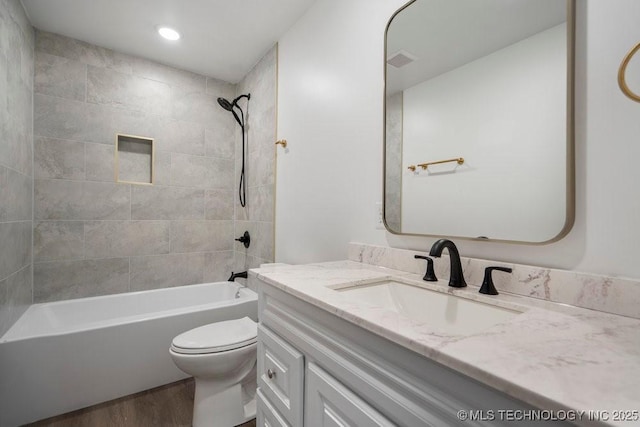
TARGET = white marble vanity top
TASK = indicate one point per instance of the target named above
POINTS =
(552, 356)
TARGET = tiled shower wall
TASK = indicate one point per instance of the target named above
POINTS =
(93, 236)
(16, 147)
(258, 216)
(393, 162)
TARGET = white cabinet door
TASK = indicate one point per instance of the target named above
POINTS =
(330, 404)
(280, 374)
(267, 415)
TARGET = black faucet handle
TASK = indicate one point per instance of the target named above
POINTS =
(487, 284)
(430, 275)
(245, 239)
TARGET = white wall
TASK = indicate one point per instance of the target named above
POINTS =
(330, 110)
(505, 114)
(330, 97)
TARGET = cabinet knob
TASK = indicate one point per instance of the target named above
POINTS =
(282, 142)
(271, 374)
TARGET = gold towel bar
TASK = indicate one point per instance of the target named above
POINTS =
(424, 166)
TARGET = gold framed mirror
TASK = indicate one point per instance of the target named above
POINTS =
(488, 82)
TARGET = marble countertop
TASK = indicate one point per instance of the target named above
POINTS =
(552, 356)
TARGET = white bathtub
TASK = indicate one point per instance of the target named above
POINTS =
(67, 355)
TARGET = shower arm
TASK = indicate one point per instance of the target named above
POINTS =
(235, 101)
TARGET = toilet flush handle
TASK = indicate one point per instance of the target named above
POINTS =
(270, 374)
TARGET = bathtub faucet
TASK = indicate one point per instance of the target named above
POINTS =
(232, 278)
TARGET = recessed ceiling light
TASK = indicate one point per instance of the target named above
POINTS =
(168, 33)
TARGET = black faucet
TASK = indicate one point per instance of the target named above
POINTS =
(456, 279)
(234, 276)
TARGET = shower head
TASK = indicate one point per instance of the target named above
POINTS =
(231, 106)
(226, 104)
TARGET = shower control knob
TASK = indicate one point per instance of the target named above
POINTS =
(271, 374)
(245, 239)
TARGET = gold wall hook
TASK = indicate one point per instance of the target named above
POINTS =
(622, 81)
(282, 142)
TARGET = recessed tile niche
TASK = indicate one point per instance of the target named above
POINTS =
(134, 159)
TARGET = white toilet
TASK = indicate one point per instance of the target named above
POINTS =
(222, 358)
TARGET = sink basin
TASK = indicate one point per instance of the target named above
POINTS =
(443, 312)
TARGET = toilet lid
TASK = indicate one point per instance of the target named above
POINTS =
(217, 337)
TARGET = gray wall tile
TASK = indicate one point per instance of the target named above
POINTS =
(218, 266)
(58, 240)
(162, 168)
(57, 158)
(243, 262)
(16, 147)
(198, 107)
(219, 204)
(59, 118)
(19, 292)
(78, 121)
(166, 203)
(99, 160)
(131, 92)
(262, 167)
(19, 100)
(260, 205)
(201, 172)
(220, 142)
(201, 236)
(15, 195)
(182, 137)
(262, 239)
(61, 77)
(16, 159)
(166, 271)
(3, 79)
(105, 239)
(104, 122)
(15, 250)
(86, 53)
(221, 89)
(73, 200)
(15, 297)
(5, 318)
(172, 76)
(59, 280)
(257, 216)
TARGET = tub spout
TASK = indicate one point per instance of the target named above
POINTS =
(233, 276)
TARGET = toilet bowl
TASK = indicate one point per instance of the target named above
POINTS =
(222, 358)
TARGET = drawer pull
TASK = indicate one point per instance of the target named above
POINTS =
(270, 373)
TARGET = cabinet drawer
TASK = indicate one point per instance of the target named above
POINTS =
(329, 403)
(266, 414)
(280, 375)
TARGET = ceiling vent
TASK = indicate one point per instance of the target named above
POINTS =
(401, 58)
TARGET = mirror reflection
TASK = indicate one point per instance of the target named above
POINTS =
(477, 139)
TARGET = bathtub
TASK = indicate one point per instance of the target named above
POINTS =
(67, 355)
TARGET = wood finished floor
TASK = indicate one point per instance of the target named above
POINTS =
(166, 406)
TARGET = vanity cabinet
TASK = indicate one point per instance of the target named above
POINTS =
(280, 376)
(329, 403)
(316, 369)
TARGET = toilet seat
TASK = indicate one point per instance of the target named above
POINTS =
(217, 337)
